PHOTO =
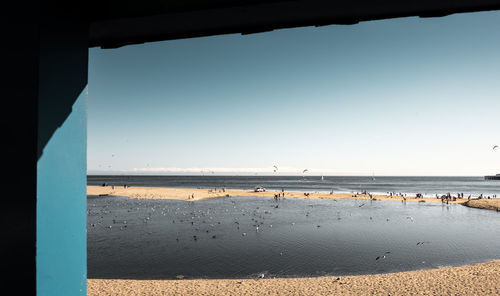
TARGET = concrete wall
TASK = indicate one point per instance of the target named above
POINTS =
(61, 249)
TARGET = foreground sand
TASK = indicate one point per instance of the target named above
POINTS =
(477, 279)
(186, 194)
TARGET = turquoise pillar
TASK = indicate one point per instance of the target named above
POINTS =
(61, 249)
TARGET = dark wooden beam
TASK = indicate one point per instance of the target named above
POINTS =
(266, 17)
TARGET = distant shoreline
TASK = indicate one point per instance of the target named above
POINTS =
(282, 175)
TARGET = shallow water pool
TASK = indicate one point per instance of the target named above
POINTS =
(241, 237)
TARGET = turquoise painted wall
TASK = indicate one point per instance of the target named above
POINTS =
(61, 255)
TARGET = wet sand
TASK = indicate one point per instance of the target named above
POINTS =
(199, 194)
(488, 204)
(477, 279)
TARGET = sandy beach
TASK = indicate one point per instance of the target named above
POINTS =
(477, 279)
(186, 194)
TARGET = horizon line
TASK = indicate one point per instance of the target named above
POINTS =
(276, 175)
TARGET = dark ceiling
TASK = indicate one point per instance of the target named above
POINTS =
(115, 23)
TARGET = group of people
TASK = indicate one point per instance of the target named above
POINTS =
(481, 196)
(391, 194)
(113, 186)
(363, 193)
(279, 195)
(448, 197)
(223, 189)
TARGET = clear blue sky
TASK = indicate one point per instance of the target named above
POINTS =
(405, 96)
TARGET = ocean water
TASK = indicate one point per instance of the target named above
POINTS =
(244, 237)
(428, 186)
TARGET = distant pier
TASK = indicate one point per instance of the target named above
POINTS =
(495, 177)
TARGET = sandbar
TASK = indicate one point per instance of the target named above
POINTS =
(187, 194)
(487, 204)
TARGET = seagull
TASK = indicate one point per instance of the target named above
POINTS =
(275, 167)
(421, 243)
(383, 256)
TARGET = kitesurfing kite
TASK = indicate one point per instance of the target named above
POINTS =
(304, 170)
(275, 168)
(496, 146)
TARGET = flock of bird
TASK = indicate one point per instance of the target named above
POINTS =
(203, 222)
(275, 167)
